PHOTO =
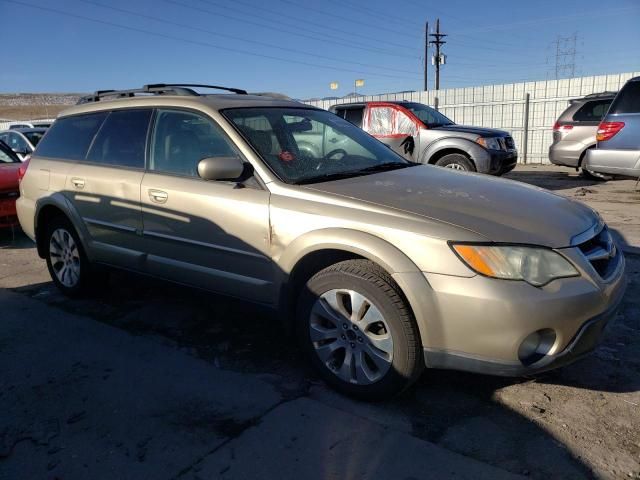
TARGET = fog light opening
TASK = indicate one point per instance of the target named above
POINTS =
(536, 346)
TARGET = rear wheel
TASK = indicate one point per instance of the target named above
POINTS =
(358, 330)
(594, 175)
(67, 263)
(456, 161)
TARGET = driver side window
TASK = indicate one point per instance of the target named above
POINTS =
(181, 139)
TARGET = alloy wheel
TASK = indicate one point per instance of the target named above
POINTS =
(351, 337)
(65, 257)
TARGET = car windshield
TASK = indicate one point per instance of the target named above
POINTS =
(429, 116)
(309, 146)
(34, 137)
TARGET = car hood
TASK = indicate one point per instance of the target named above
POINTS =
(479, 131)
(9, 177)
(498, 209)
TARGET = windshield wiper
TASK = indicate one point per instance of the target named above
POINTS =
(325, 178)
(354, 173)
(384, 166)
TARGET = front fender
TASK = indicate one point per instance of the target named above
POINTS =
(360, 243)
(479, 155)
(407, 275)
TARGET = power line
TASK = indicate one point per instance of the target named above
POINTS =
(244, 20)
(351, 20)
(198, 42)
(559, 18)
(297, 19)
(255, 42)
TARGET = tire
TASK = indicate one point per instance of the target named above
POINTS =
(456, 161)
(341, 349)
(599, 177)
(67, 263)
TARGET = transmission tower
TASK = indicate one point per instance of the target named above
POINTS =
(565, 56)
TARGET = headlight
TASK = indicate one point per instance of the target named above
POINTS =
(537, 266)
(491, 143)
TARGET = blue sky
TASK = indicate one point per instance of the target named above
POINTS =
(299, 47)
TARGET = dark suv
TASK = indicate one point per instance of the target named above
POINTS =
(424, 135)
(575, 131)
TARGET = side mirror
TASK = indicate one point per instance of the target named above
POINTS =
(220, 168)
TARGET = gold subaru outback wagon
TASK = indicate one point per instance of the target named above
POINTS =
(381, 266)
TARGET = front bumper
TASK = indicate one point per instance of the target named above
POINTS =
(479, 324)
(615, 162)
(503, 161)
(584, 342)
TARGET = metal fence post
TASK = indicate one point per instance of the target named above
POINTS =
(525, 129)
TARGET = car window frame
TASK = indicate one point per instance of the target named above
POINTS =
(259, 183)
(86, 161)
(73, 160)
(591, 101)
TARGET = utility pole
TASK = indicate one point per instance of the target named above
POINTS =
(426, 55)
(438, 57)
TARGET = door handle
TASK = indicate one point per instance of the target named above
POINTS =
(158, 196)
(78, 183)
(333, 140)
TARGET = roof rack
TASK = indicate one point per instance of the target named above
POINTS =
(183, 89)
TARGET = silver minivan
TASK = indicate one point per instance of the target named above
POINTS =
(575, 130)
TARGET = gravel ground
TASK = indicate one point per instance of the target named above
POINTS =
(582, 421)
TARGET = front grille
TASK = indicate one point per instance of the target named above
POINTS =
(602, 253)
(510, 144)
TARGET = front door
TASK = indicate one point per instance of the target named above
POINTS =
(214, 235)
(395, 128)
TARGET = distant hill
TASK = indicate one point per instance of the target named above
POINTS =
(32, 106)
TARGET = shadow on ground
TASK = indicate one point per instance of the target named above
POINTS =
(469, 414)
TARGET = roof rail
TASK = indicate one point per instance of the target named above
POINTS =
(155, 89)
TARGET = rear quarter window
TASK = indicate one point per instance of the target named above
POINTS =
(592, 111)
(69, 138)
(628, 99)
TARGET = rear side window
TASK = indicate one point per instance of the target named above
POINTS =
(628, 99)
(353, 115)
(122, 139)
(592, 111)
(69, 138)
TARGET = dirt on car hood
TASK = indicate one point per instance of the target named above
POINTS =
(500, 210)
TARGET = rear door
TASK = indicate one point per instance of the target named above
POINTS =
(212, 234)
(104, 186)
(626, 109)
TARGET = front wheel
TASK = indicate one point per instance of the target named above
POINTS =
(358, 330)
(456, 161)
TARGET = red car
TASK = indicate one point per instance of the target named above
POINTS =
(11, 169)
